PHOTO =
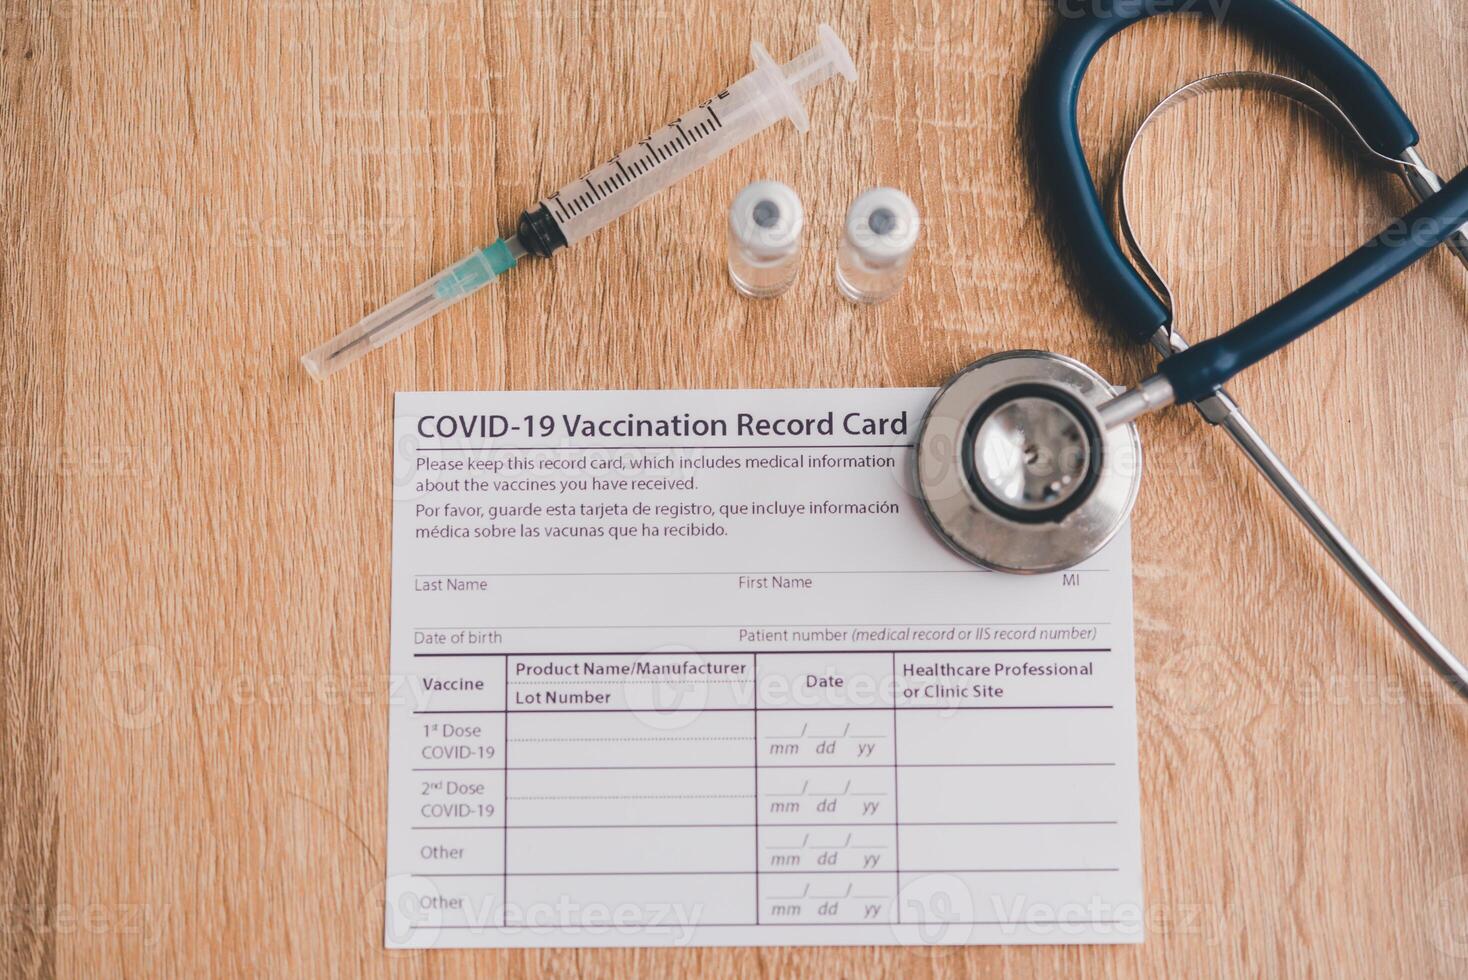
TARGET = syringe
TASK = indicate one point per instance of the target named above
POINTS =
(754, 103)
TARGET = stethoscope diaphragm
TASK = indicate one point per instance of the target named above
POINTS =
(1016, 470)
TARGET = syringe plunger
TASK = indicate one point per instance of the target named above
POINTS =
(827, 58)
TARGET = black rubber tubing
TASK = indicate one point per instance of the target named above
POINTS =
(1201, 370)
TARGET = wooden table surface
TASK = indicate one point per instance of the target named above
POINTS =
(194, 535)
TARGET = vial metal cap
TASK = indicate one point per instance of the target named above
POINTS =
(766, 226)
(882, 226)
(877, 241)
(766, 220)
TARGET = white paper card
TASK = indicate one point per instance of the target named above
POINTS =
(690, 668)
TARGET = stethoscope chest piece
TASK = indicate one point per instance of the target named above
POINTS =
(1016, 470)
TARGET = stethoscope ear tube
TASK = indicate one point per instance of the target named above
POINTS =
(1055, 90)
(1201, 370)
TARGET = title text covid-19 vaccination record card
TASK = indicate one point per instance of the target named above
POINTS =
(689, 668)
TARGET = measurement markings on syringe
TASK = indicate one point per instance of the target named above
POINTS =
(682, 135)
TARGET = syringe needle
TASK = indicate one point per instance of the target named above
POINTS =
(413, 307)
(379, 328)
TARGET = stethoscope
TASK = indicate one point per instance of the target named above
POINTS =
(1029, 461)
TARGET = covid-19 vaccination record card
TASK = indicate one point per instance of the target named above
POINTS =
(689, 668)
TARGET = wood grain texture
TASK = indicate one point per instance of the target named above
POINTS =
(196, 535)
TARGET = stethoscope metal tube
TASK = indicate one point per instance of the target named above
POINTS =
(1151, 394)
(1220, 409)
(1339, 547)
(1423, 183)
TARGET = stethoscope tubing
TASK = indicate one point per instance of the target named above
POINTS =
(1202, 369)
(1055, 91)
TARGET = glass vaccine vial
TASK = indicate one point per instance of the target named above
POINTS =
(877, 240)
(766, 232)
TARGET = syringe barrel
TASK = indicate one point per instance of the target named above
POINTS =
(752, 104)
(667, 156)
